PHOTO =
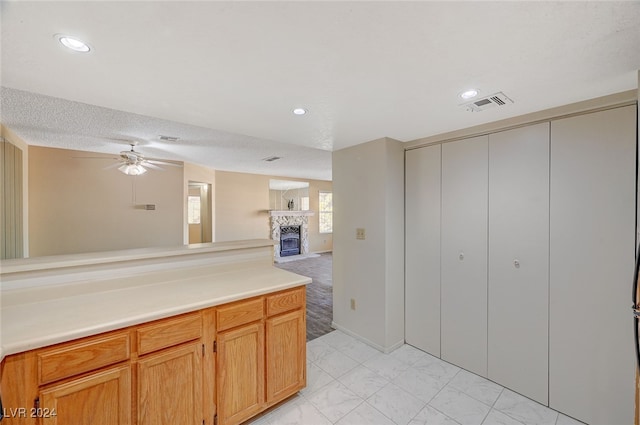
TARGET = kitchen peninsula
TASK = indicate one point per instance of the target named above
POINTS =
(211, 333)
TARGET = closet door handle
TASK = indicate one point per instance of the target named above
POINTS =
(461, 256)
(516, 263)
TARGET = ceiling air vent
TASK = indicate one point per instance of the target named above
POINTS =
(497, 99)
(271, 158)
(168, 138)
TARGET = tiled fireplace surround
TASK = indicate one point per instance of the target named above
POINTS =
(291, 218)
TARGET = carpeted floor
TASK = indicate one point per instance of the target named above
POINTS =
(319, 292)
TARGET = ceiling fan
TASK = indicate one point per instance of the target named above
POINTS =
(133, 163)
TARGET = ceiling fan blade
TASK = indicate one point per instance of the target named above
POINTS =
(114, 165)
(94, 157)
(151, 166)
(161, 162)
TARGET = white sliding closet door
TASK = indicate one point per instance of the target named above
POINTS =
(591, 352)
(422, 239)
(464, 253)
(519, 260)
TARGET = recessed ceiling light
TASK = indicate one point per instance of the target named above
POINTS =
(299, 111)
(73, 43)
(469, 94)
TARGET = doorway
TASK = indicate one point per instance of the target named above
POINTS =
(199, 212)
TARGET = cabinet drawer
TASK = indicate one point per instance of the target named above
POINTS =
(285, 301)
(82, 356)
(236, 314)
(169, 332)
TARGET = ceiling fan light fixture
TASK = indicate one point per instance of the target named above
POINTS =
(73, 43)
(132, 169)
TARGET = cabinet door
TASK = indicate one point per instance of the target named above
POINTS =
(464, 253)
(240, 366)
(519, 260)
(170, 387)
(102, 398)
(422, 236)
(286, 355)
(593, 175)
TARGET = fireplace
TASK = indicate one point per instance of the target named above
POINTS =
(286, 219)
(289, 240)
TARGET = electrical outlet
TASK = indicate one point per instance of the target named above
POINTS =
(360, 233)
(353, 303)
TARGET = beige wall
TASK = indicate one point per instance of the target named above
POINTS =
(242, 203)
(75, 205)
(369, 193)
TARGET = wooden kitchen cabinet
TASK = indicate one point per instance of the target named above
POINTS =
(169, 374)
(240, 373)
(101, 398)
(286, 360)
(170, 387)
(232, 361)
(85, 382)
(261, 356)
(240, 360)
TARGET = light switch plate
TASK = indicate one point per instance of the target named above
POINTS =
(360, 233)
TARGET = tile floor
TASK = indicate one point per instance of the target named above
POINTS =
(351, 383)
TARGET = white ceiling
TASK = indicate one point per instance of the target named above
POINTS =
(224, 76)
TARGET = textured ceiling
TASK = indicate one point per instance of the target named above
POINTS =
(224, 76)
(54, 122)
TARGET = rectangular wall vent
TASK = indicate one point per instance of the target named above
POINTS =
(497, 99)
(168, 138)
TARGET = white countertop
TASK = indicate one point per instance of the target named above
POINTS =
(125, 302)
(93, 258)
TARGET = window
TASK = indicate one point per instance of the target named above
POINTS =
(304, 203)
(194, 210)
(325, 213)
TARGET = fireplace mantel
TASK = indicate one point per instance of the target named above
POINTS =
(289, 213)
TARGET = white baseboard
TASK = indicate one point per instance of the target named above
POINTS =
(378, 347)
